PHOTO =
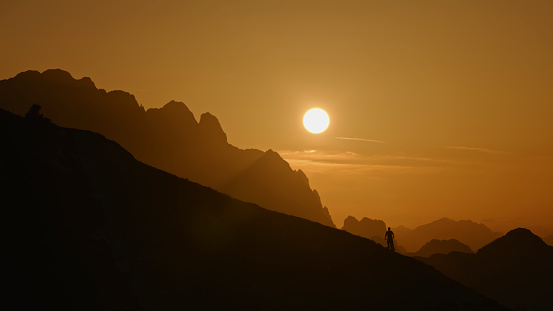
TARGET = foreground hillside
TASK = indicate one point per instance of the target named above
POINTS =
(86, 226)
(515, 270)
(168, 138)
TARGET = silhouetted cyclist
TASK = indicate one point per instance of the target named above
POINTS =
(390, 239)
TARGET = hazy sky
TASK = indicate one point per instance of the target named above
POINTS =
(450, 103)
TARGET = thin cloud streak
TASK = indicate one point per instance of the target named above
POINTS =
(318, 161)
(360, 139)
(472, 149)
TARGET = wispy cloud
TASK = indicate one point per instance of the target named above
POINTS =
(347, 162)
(472, 149)
(320, 156)
(360, 139)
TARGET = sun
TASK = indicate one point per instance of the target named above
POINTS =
(316, 120)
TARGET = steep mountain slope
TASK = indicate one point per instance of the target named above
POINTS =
(85, 226)
(473, 234)
(442, 247)
(515, 270)
(168, 138)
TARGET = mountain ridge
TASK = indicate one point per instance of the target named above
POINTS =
(168, 138)
(468, 232)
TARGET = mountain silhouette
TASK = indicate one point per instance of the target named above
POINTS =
(373, 229)
(168, 138)
(473, 234)
(442, 247)
(86, 226)
(365, 227)
(515, 270)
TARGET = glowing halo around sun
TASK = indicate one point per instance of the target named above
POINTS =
(316, 120)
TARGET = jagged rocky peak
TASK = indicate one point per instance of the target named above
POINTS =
(302, 176)
(317, 196)
(326, 212)
(350, 221)
(86, 82)
(175, 106)
(124, 99)
(211, 128)
(173, 112)
(271, 153)
(274, 160)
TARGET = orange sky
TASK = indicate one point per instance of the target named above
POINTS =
(458, 94)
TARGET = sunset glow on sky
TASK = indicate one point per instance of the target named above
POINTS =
(438, 108)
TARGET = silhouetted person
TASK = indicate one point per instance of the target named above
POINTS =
(389, 236)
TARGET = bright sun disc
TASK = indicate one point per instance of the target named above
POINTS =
(316, 120)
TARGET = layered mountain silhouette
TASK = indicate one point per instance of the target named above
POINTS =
(515, 270)
(442, 247)
(473, 234)
(365, 227)
(168, 138)
(85, 226)
(373, 229)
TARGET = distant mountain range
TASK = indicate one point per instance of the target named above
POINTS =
(442, 247)
(85, 226)
(168, 138)
(473, 234)
(515, 270)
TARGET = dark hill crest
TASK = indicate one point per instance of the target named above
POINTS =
(86, 226)
(514, 270)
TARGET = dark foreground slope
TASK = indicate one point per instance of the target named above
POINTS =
(515, 270)
(168, 138)
(86, 226)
